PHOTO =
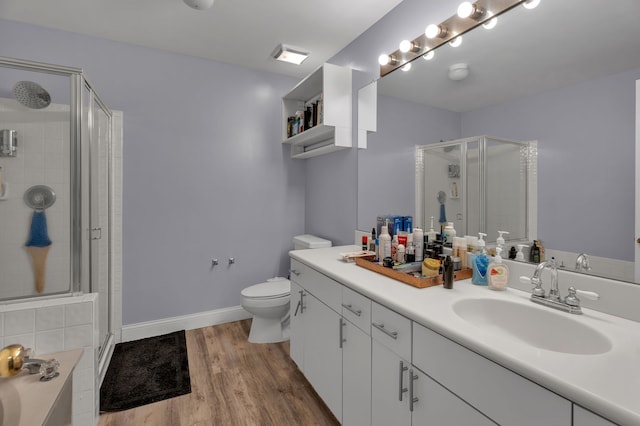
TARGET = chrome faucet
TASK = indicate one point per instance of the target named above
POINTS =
(554, 294)
(582, 263)
(570, 304)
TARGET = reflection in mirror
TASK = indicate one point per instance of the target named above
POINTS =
(478, 184)
(544, 75)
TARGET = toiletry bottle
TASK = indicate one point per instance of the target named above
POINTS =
(400, 254)
(431, 233)
(365, 244)
(541, 250)
(372, 243)
(394, 246)
(449, 233)
(500, 239)
(385, 243)
(512, 253)
(418, 242)
(447, 273)
(520, 254)
(498, 272)
(480, 263)
(377, 249)
(534, 253)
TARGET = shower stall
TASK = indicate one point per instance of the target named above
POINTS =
(56, 190)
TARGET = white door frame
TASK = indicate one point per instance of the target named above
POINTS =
(637, 234)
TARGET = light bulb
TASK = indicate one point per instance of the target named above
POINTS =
(405, 46)
(406, 67)
(384, 59)
(433, 31)
(456, 42)
(465, 9)
(531, 4)
(429, 55)
(491, 23)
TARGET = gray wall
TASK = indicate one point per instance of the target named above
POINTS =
(586, 162)
(205, 174)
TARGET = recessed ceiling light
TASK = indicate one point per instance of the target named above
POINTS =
(287, 54)
(199, 4)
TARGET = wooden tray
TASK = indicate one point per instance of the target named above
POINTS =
(410, 279)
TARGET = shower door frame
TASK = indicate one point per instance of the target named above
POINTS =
(81, 268)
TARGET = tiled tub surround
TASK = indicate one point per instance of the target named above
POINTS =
(606, 383)
(56, 325)
(42, 159)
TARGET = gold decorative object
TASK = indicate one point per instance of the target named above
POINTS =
(11, 360)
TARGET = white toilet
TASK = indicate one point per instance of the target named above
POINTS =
(269, 301)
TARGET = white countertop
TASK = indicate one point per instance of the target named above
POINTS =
(34, 399)
(608, 383)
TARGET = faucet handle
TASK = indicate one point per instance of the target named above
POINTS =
(535, 281)
(572, 298)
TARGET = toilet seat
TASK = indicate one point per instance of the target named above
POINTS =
(268, 290)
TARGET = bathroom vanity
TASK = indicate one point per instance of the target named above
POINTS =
(381, 352)
(26, 400)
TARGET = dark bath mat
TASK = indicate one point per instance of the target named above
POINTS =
(145, 371)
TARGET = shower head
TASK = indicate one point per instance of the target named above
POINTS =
(31, 95)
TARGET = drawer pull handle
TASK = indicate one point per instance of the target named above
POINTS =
(342, 325)
(402, 389)
(412, 399)
(392, 334)
(349, 307)
(294, 272)
(300, 303)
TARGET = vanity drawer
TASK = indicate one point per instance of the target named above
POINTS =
(322, 287)
(502, 395)
(357, 309)
(391, 329)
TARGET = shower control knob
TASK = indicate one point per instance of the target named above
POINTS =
(232, 261)
(214, 262)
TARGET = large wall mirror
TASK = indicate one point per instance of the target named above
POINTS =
(564, 75)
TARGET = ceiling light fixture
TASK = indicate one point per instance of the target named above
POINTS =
(199, 4)
(470, 15)
(386, 59)
(433, 31)
(458, 72)
(469, 10)
(287, 54)
(409, 46)
(491, 23)
(456, 41)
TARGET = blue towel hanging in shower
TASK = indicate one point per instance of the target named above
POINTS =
(38, 236)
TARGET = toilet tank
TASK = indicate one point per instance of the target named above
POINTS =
(308, 241)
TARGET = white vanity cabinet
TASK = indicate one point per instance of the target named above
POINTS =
(329, 343)
(582, 417)
(503, 396)
(316, 339)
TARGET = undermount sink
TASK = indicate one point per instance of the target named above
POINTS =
(537, 326)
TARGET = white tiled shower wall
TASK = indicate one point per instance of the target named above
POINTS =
(56, 325)
(70, 322)
(43, 159)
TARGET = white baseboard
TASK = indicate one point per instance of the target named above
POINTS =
(186, 322)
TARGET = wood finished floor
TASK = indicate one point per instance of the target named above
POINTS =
(234, 382)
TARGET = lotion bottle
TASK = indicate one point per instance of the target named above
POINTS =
(498, 272)
(384, 242)
(500, 239)
(520, 254)
(431, 233)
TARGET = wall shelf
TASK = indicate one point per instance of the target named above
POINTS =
(333, 132)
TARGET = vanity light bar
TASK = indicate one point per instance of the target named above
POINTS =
(451, 28)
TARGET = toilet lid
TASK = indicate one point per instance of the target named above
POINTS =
(268, 290)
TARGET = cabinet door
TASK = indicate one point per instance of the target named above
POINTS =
(582, 417)
(356, 376)
(297, 331)
(322, 352)
(389, 404)
(435, 405)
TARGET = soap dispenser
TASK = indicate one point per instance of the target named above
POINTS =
(480, 263)
(520, 254)
(500, 239)
(498, 272)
